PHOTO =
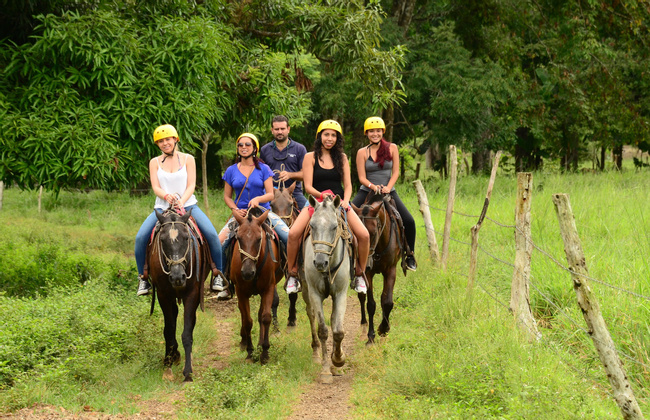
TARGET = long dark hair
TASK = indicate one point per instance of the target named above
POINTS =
(336, 151)
(256, 160)
(383, 153)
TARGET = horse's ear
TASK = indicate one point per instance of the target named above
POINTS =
(262, 218)
(186, 216)
(337, 202)
(291, 188)
(312, 201)
(238, 217)
(276, 192)
(159, 215)
(356, 209)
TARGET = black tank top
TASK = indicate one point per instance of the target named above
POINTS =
(327, 179)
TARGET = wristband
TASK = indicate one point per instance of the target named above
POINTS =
(370, 185)
(165, 197)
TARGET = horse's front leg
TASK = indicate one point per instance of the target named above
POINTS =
(387, 300)
(291, 321)
(274, 310)
(190, 304)
(325, 374)
(264, 317)
(372, 308)
(339, 301)
(246, 342)
(362, 304)
(170, 313)
(313, 323)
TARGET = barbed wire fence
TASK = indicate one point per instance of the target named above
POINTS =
(559, 312)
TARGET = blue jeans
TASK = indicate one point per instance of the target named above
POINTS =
(277, 224)
(205, 226)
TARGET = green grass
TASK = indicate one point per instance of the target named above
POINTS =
(74, 333)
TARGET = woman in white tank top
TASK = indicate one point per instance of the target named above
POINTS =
(173, 178)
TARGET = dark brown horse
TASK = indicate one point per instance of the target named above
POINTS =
(285, 206)
(178, 264)
(385, 252)
(254, 270)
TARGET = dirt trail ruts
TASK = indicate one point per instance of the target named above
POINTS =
(332, 401)
(317, 401)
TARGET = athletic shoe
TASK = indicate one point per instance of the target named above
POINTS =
(224, 295)
(360, 286)
(293, 285)
(219, 283)
(144, 288)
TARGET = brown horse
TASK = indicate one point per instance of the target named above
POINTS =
(254, 270)
(285, 206)
(178, 264)
(385, 253)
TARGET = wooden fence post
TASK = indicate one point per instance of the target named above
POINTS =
(591, 311)
(40, 196)
(426, 215)
(205, 141)
(473, 258)
(453, 164)
(519, 292)
(417, 170)
(2, 192)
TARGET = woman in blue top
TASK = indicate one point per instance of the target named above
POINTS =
(173, 179)
(251, 181)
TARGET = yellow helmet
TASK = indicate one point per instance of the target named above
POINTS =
(251, 136)
(164, 131)
(329, 124)
(373, 122)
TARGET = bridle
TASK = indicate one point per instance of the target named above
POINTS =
(341, 233)
(170, 262)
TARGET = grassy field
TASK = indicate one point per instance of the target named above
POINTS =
(74, 334)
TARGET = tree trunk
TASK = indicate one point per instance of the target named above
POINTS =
(403, 13)
(603, 150)
(480, 162)
(205, 140)
(618, 157)
(389, 119)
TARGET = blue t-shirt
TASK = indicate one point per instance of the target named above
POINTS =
(254, 187)
(291, 156)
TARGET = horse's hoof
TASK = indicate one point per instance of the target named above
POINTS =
(364, 329)
(317, 360)
(370, 342)
(188, 378)
(338, 362)
(326, 378)
(168, 375)
(336, 371)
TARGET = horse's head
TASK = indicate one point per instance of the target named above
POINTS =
(324, 230)
(175, 247)
(283, 203)
(373, 218)
(250, 239)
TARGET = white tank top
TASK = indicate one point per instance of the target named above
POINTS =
(173, 183)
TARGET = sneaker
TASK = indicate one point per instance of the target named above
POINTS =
(224, 295)
(219, 283)
(360, 286)
(410, 263)
(293, 285)
(144, 288)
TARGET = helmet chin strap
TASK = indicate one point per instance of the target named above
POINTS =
(169, 154)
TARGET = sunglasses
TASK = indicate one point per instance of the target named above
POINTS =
(247, 144)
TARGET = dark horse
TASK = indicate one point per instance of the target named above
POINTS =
(178, 264)
(285, 206)
(254, 268)
(378, 215)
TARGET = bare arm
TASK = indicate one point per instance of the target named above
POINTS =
(227, 197)
(268, 188)
(308, 175)
(191, 179)
(347, 183)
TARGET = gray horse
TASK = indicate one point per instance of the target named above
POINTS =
(326, 272)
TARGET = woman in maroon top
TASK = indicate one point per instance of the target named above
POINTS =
(326, 171)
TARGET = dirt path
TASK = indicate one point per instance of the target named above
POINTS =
(332, 401)
(317, 401)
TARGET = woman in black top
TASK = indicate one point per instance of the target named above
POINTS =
(327, 168)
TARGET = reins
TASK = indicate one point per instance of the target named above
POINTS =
(341, 233)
